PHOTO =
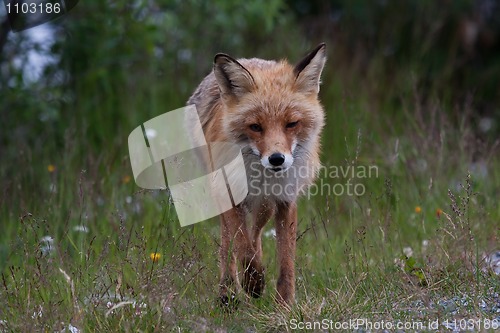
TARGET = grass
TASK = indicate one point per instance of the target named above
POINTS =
(77, 237)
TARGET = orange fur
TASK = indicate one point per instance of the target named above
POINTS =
(271, 109)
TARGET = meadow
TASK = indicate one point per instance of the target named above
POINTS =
(84, 249)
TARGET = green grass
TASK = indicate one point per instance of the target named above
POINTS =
(350, 261)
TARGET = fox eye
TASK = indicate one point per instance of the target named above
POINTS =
(256, 128)
(292, 124)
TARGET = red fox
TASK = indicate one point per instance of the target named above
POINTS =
(272, 111)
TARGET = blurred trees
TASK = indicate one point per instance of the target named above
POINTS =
(118, 63)
(452, 48)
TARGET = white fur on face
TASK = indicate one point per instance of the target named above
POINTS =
(264, 159)
(294, 145)
(254, 149)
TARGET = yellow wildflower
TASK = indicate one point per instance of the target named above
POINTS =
(155, 256)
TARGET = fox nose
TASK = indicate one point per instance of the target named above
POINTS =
(277, 159)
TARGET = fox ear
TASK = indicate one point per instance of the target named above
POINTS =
(233, 79)
(308, 70)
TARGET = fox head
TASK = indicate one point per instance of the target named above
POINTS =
(272, 107)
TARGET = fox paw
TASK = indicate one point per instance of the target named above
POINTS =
(228, 302)
(253, 281)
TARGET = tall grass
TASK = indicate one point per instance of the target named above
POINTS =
(350, 256)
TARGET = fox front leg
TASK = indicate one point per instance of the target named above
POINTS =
(228, 273)
(235, 244)
(286, 233)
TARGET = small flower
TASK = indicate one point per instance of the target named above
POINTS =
(81, 228)
(126, 179)
(37, 314)
(408, 251)
(155, 256)
(418, 209)
(439, 211)
(270, 233)
(47, 245)
(51, 168)
(399, 263)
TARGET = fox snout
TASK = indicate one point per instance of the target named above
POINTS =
(277, 161)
